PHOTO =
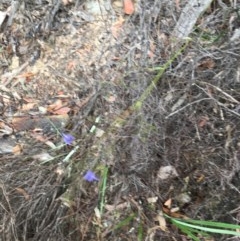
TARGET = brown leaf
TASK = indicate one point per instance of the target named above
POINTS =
(61, 111)
(23, 192)
(28, 100)
(56, 105)
(162, 221)
(66, 2)
(128, 7)
(151, 50)
(26, 123)
(120, 206)
(203, 121)
(39, 136)
(17, 149)
(27, 106)
(201, 178)
(57, 108)
(207, 63)
(27, 76)
(168, 203)
(23, 123)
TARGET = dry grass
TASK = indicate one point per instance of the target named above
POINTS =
(189, 121)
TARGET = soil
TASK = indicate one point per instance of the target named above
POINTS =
(72, 67)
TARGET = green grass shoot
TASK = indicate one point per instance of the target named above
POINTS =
(125, 222)
(196, 228)
(103, 189)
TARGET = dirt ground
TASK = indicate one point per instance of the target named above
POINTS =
(82, 68)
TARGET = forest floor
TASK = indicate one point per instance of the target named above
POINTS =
(86, 70)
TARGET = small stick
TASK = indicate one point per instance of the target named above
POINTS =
(184, 107)
(220, 90)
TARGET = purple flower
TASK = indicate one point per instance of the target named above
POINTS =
(67, 138)
(90, 176)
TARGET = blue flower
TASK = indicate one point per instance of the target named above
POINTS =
(68, 139)
(90, 176)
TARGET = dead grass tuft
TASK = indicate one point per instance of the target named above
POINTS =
(100, 68)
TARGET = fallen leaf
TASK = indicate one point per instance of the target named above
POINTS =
(200, 178)
(22, 123)
(151, 50)
(62, 111)
(66, 2)
(168, 203)
(17, 149)
(57, 108)
(40, 137)
(50, 144)
(120, 206)
(37, 135)
(56, 105)
(26, 75)
(162, 221)
(27, 106)
(23, 192)
(47, 123)
(207, 63)
(203, 121)
(28, 100)
(128, 6)
(173, 212)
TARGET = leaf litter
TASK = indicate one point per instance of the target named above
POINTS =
(71, 62)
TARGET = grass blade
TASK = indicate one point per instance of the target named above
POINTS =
(207, 229)
(103, 189)
(125, 222)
